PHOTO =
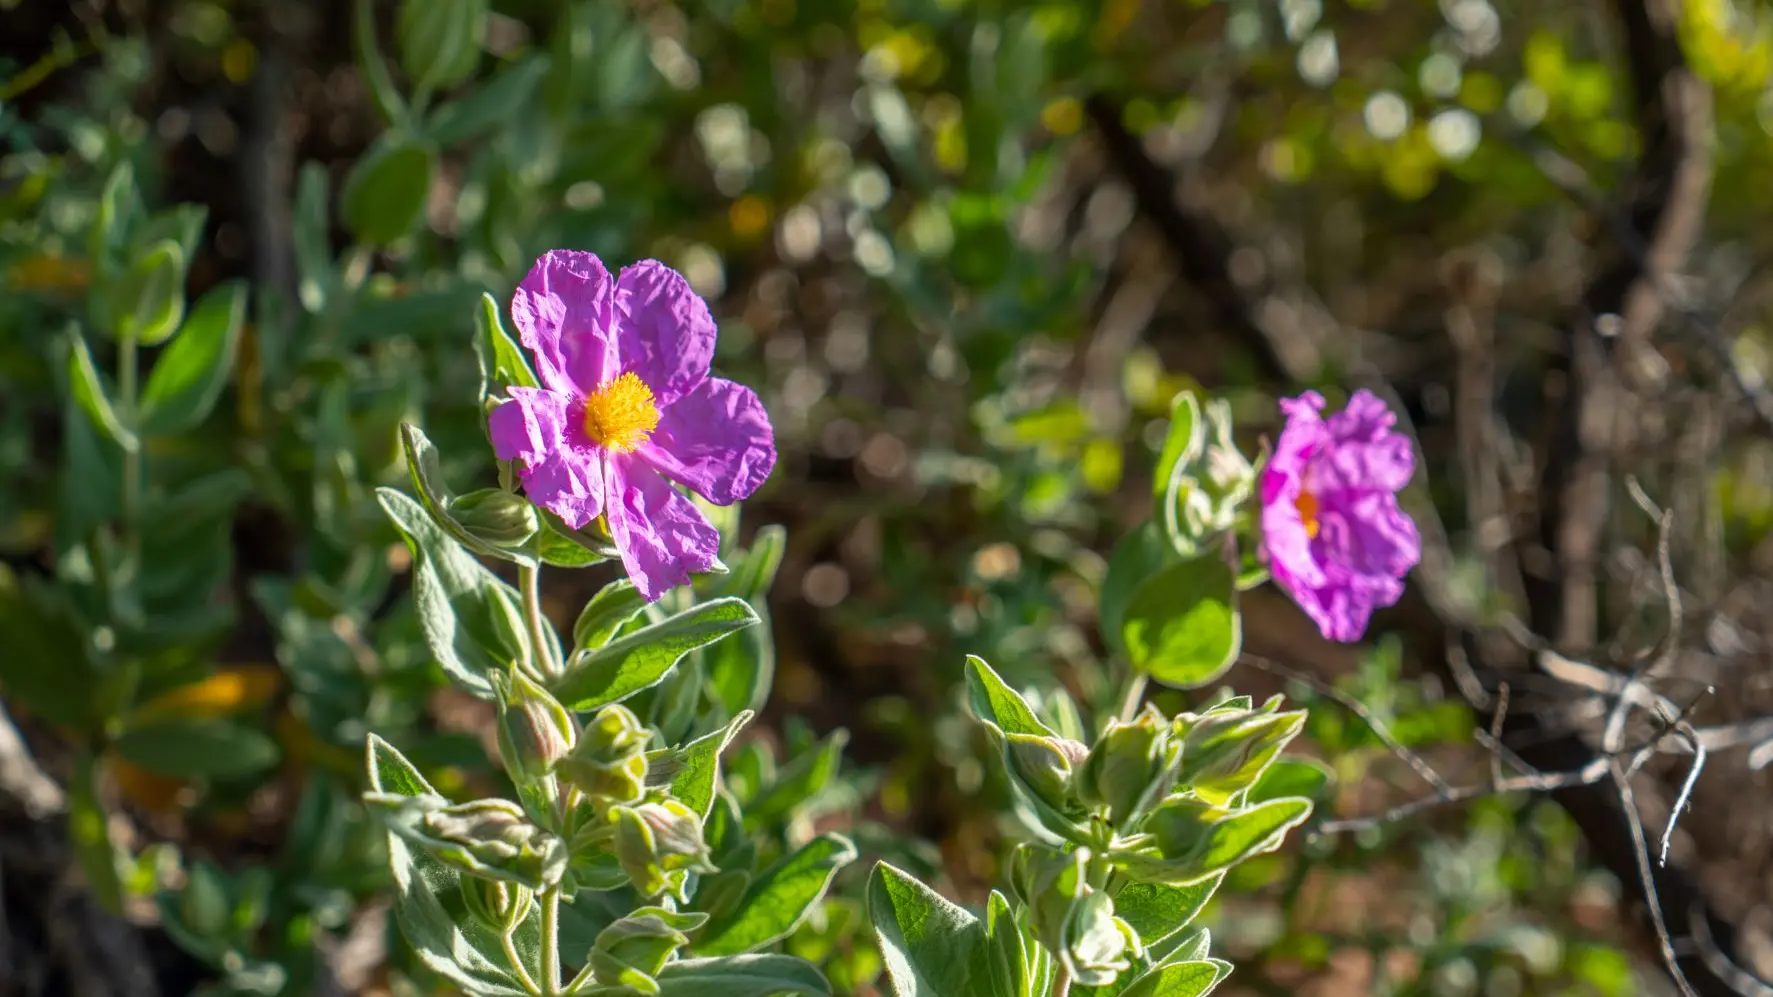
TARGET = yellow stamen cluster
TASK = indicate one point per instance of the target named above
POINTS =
(621, 415)
(1306, 503)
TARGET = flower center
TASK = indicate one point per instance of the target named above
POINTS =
(1306, 503)
(621, 414)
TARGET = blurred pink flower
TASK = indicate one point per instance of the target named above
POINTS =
(1336, 541)
(626, 398)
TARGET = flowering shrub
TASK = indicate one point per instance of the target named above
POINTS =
(620, 838)
(319, 617)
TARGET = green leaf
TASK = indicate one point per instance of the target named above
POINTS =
(315, 274)
(1178, 979)
(501, 359)
(739, 672)
(780, 899)
(561, 545)
(694, 769)
(45, 668)
(1138, 556)
(799, 781)
(470, 957)
(490, 106)
(390, 772)
(742, 976)
(1301, 777)
(641, 659)
(608, 611)
(468, 615)
(182, 223)
(195, 748)
(1006, 951)
(1182, 626)
(111, 221)
(375, 71)
(189, 377)
(1182, 444)
(89, 392)
(439, 40)
(148, 300)
(994, 702)
(930, 946)
(386, 189)
(426, 470)
(1248, 832)
(1157, 912)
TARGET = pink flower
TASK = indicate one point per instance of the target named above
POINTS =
(626, 398)
(1336, 541)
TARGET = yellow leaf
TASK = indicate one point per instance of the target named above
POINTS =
(226, 693)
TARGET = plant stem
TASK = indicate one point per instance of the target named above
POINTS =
(1129, 707)
(529, 577)
(1061, 984)
(516, 959)
(551, 942)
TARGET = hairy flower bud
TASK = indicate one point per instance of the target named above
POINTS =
(632, 950)
(1224, 751)
(496, 516)
(609, 762)
(658, 844)
(493, 838)
(498, 905)
(1073, 919)
(1129, 766)
(1045, 765)
(535, 731)
(1095, 945)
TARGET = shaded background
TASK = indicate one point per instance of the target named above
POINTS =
(967, 252)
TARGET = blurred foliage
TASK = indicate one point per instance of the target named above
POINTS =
(901, 214)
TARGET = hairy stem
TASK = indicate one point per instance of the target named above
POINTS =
(551, 942)
(516, 959)
(529, 578)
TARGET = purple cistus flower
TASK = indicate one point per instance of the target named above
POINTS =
(1336, 541)
(626, 398)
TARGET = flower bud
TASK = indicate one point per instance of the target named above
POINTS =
(496, 516)
(609, 761)
(1224, 752)
(632, 951)
(498, 905)
(493, 838)
(658, 844)
(1045, 765)
(1073, 919)
(1095, 945)
(535, 731)
(1130, 764)
(1181, 827)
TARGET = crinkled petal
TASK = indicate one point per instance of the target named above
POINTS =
(534, 428)
(1363, 450)
(1300, 440)
(716, 440)
(530, 426)
(664, 331)
(660, 534)
(1341, 608)
(1288, 545)
(564, 311)
(1367, 533)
